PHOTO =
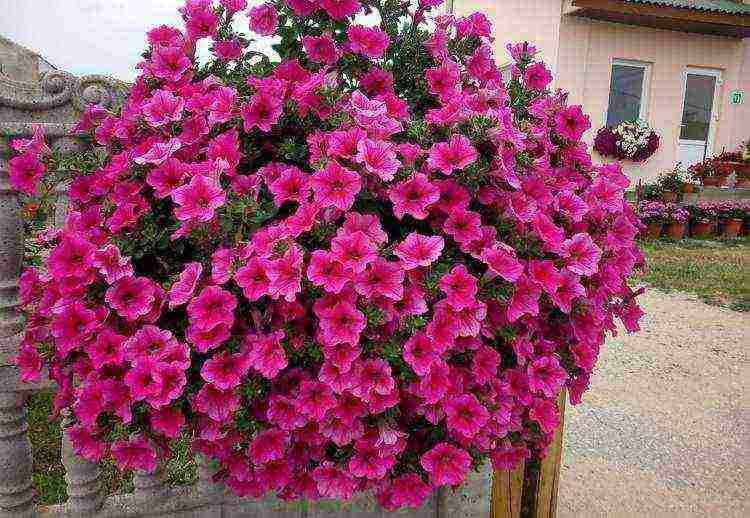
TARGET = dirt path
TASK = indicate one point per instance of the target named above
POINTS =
(665, 429)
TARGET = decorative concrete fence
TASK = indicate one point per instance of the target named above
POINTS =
(54, 104)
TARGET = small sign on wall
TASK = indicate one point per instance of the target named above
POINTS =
(737, 96)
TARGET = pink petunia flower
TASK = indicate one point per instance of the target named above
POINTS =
(544, 412)
(167, 421)
(537, 76)
(420, 352)
(135, 453)
(263, 111)
(212, 306)
(340, 9)
(321, 49)
(253, 278)
(409, 490)
(368, 224)
(327, 272)
(418, 250)
(111, 264)
(198, 199)
(525, 299)
(25, 171)
(264, 19)
(368, 41)
(465, 415)
(268, 445)
(291, 185)
(453, 155)
(413, 196)
(342, 323)
(446, 464)
(378, 158)
(315, 399)
(144, 379)
(219, 405)
(132, 297)
(335, 186)
(460, 287)
(546, 375)
(544, 273)
(265, 354)
(502, 263)
(285, 274)
(182, 290)
(163, 108)
(225, 370)
(443, 80)
(571, 123)
(354, 251)
(383, 278)
(464, 226)
(581, 254)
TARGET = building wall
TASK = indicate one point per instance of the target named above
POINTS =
(587, 49)
(581, 51)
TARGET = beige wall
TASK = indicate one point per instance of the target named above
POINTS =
(581, 53)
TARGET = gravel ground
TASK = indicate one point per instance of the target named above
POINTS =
(665, 429)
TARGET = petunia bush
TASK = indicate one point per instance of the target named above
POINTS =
(364, 263)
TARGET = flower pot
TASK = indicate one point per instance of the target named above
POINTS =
(675, 230)
(688, 188)
(742, 183)
(714, 181)
(653, 230)
(669, 196)
(732, 227)
(702, 229)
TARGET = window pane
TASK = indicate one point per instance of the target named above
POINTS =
(625, 94)
(699, 102)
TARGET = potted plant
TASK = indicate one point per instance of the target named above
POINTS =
(702, 219)
(672, 183)
(629, 140)
(653, 214)
(709, 174)
(675, 219)
(296, 264)
(732, 214)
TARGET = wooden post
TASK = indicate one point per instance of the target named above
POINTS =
(508, 486)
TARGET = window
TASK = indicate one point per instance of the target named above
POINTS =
(628, 91)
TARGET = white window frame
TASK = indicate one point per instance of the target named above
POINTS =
(645, 87)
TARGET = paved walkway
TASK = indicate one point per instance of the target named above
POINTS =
(665, 428)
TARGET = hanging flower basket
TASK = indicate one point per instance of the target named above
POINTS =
(346, 270)
(634, 141)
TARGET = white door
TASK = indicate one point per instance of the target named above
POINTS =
(698, 115)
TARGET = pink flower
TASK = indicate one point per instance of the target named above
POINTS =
(29, 361)
(537, 76)
(212, 306)
(135, 453)
(264, 19)
(335, 186)
(219, 405)
(86, 444)
(369, 41)
(340, 9)
(166, 177)
(343, 323)
(25, 171)
(268, 446)
(443, 80)
(546, 375)
(409, 490)
(285, 274)
(435, 383)
(368, 224)
(354, 251)
(372, 377)
(206, 339)
(283, 413)
(163, 108)
(225, 371)
(167, 421)
(321, 49)
(453, 155)
(315, 399)
(367, 463)
(446, 464)
(253, 278)
(291, 185)
(464, 226)
(199, 199)
(465, 415)
(169, 63)
(545, 275)
(265, 354)
(144, 379)
(484, 364)
(159, 152)
(378, 158)
(382, 278)
(132, 297)
(508, 456)
(327, 272)
(570, 288)
(182, 290)
(263, 111)
(460, 287)
(581, 255)
(111, 264)
(418, 250)
(502, 263)
(572, 123)
(525, 299)
(413, 196)
(544, 412)
(420, 352)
